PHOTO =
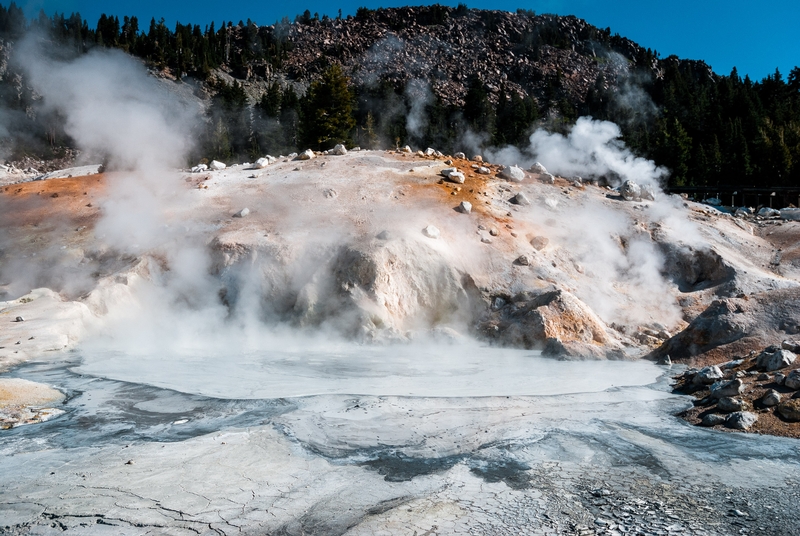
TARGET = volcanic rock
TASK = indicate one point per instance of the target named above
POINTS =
(521, 199)
(630, 191)
(465, 207)
(708, 375)
(538, 168)
(339, 150)
(773, 359)
(215, 165)
(513, 173)
(729, 404)
(712, 419)
(308, 154)
(431, 232)
(741, 420)
(792, 380)
(539, 242)
(790, 410)
(771, 398)
(728, 388)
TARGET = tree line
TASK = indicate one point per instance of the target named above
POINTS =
(707, 129)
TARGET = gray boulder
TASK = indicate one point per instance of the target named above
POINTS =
(792, 346)
(708, 375)
(308, 154)
(339, 150)
(729, 404)
(741, 420)
(722, 389)
(773, 359)
(792, 380)
(772, 398)
(712, 419)
(547, 178)
(216, 165)
(767, 212)
(790, 214)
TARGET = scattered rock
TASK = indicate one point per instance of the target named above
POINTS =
(460, 156)
(216, 165)
(772, 359)
(465, 207)
(513, 174)
(767, 212)
(521, 199)
(630, 191)
(547, 178)
(741, 420)
(383, 235)
(263, 162)
(708, 375)
(242, 213)
(727, 388)
(792, 380)
(477, 158)
(779, 378)
(199, 168)
(713, 201)
(790, 410)
(539, 242)
(729, 404)
(431, 232)
(330, 193)
(792, 214)
(523, 260)
(712, 419)
(771, 398)
(340, 150)
(792, 346)
(19, 319)
(406, 149)
(483, 170)
(308, 154)
(430, 152)
(538, 168)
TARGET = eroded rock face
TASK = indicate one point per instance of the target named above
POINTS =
(692, 268)
(554, 321)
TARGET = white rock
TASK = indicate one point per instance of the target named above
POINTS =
(767, 212)
(261, 163)
(790, 213)
(729, 388)
(199, 168)
(482, 170)
(648, 193)
(447, 171)
(521, 199)
(538, 168)
(477, 158)
(242, 213)
(291, 156)
(456, 177)
(216, 165)
(771, 361)
(431, 232)
(547, 178)
(308, 154)
(513, 173)
(708, 375)
(340, 150)
(430, 152)
(630, 191)
(406, 149)
(465, 207)
(461, 156)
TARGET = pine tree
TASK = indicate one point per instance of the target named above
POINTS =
(326, 111)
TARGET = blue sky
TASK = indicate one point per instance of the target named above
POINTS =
(756, 37)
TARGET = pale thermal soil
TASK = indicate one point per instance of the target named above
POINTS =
(213, 386)
(127, 458)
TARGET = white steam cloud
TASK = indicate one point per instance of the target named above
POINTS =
(592, 149)
(420, 95)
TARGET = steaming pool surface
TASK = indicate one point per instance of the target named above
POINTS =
(446, 371)
(357, 440)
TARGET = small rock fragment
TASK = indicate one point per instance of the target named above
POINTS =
(790, 409)
(19, 319)
(792, 380)
(339, 150)
(431, 232)
(216, 165)
(465, 207)
(539, 242)
(712, 419)
(308, 154)
(242, 213)
(729, 388)
(523, 260)
(772, 398)
(521, 199)
(383, 235)
(729, 404)
(538, 168)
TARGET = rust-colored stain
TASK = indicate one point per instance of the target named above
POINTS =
(71, 200)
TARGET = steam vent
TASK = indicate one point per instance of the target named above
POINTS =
(422, 270)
